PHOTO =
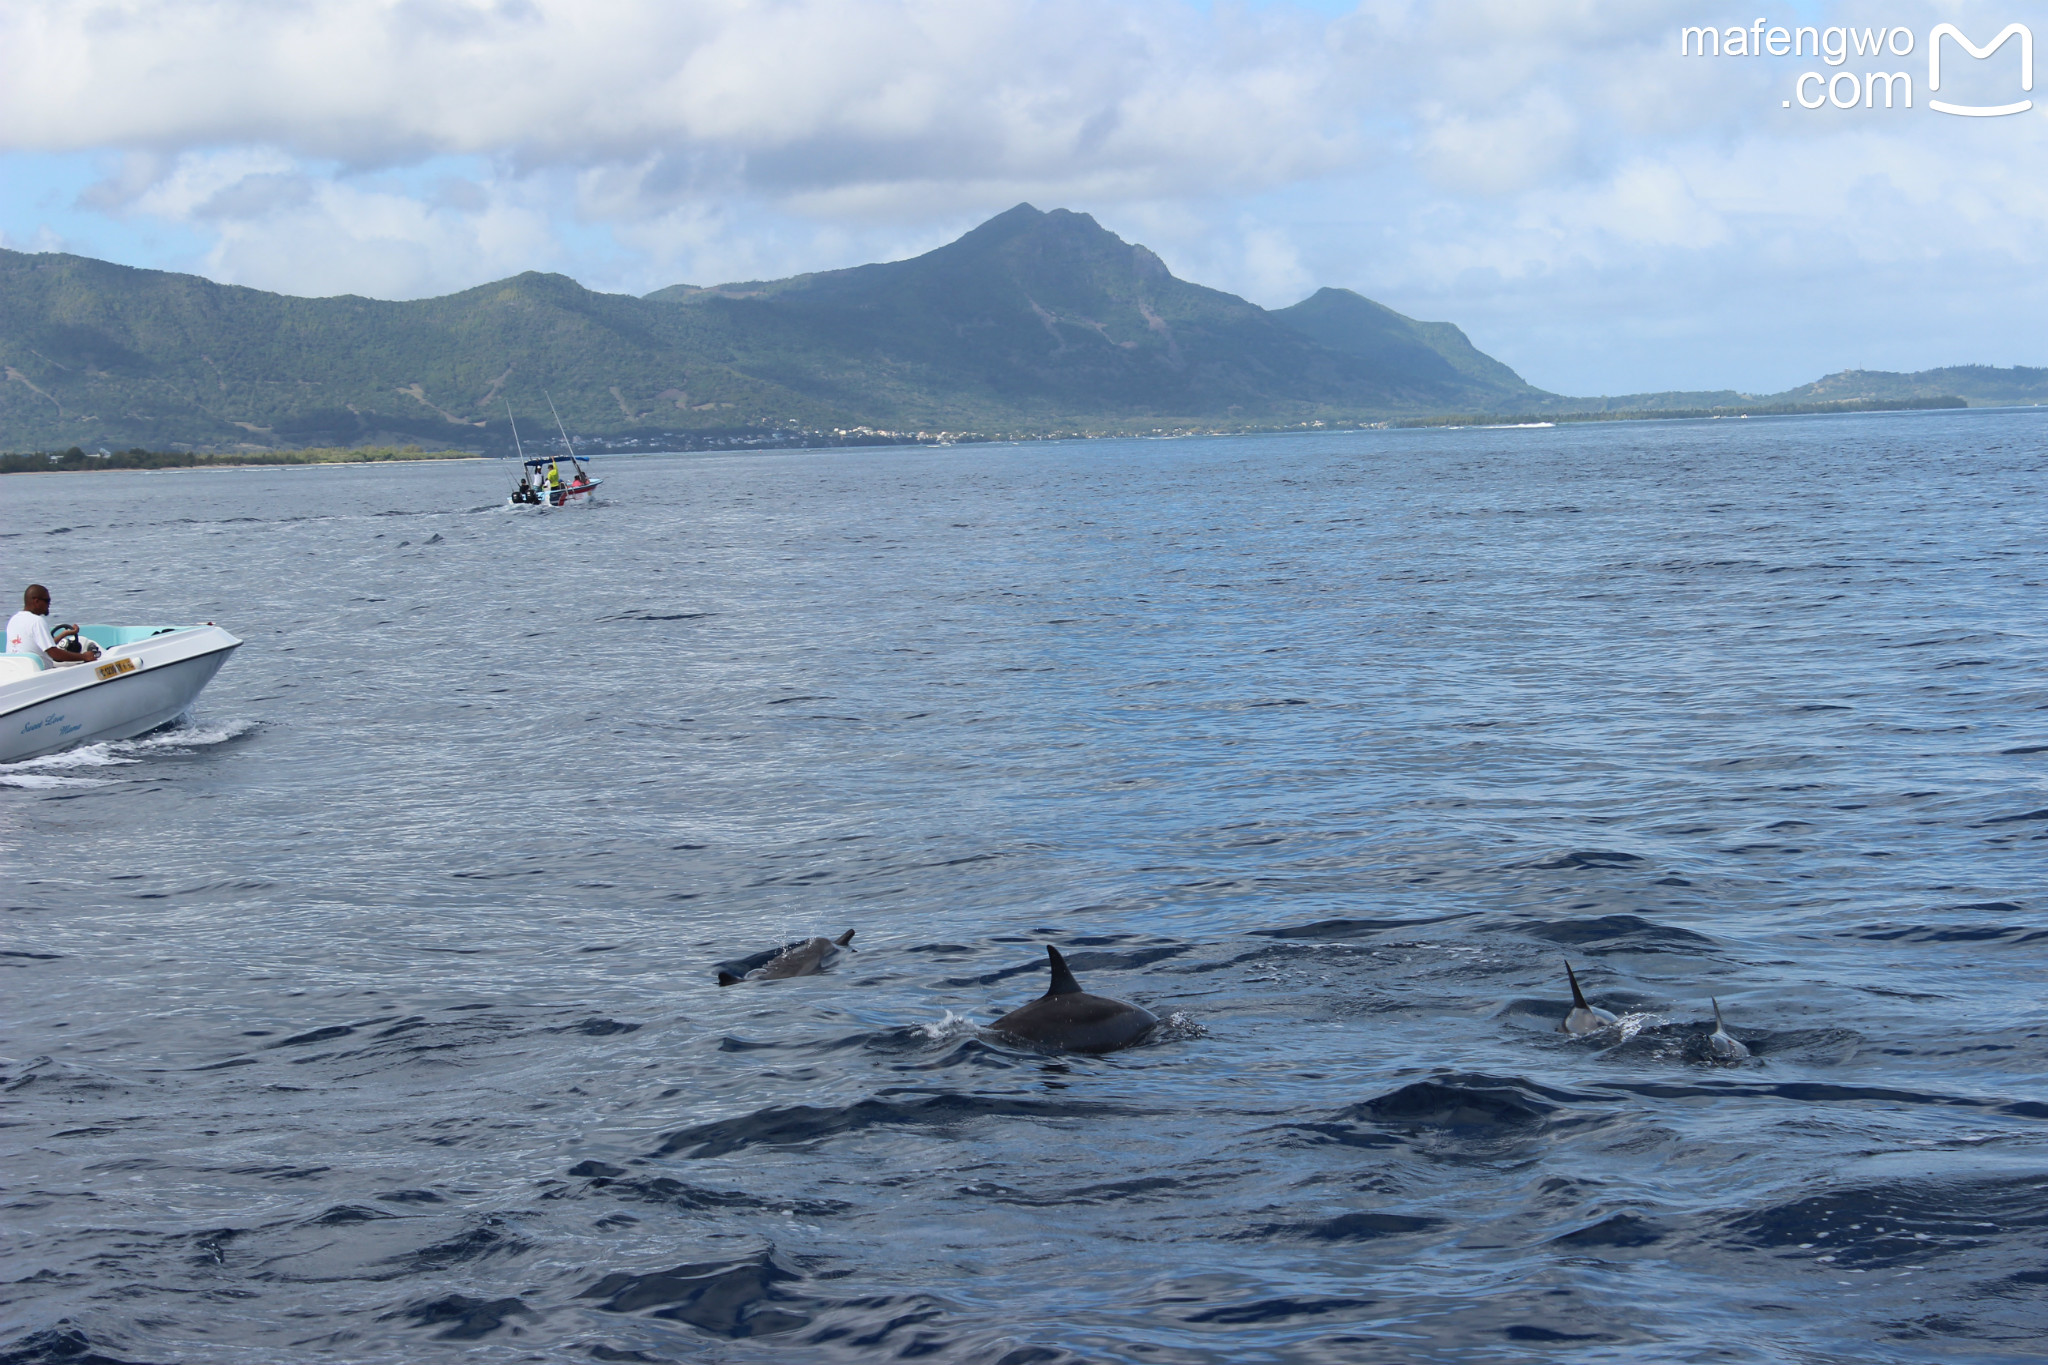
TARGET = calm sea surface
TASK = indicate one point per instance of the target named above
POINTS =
(370, 1015)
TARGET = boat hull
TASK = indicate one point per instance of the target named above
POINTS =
(64, 707)
(557, 497)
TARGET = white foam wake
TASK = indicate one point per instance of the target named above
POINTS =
(43, 781)
(64, 769)
(183, 737)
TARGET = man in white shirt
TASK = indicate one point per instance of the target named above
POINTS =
(29, 633)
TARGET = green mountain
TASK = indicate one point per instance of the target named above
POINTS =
(1976, 385)
(1428, 353)
(1031, 322)
(99, 353)
(1046, 318)
(1979, 385)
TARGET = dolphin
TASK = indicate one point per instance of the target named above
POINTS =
(1723, 1044)
(1583, 1018)
(807, 958)
(1068, 1018)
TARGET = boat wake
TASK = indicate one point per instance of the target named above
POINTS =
(181, 737)
(68, 769)
(11, 777)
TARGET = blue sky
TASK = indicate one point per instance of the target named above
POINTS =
(1596, 210)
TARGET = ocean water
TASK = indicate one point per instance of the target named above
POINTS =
(370, 1014)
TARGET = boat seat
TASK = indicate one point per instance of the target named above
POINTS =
(15, 667)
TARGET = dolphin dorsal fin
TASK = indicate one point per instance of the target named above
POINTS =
(1063, 982)
(844, 938)
(1578, 996)
(1719, 1027)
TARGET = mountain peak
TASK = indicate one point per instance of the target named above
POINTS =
(1428, 353)
(1035, 319)
(1061, 231)
(1050, 312)
(1008, 223)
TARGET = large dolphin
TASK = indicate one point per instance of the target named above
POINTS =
(1584, 1018)
(1069, 1018)
(807, 958)
(1725, 1046)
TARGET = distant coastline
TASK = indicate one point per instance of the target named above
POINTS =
(76, 460)
(73, 460)
(1766, 409)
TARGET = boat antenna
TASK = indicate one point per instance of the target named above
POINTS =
(559, 427)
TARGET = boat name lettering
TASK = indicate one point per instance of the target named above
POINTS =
(46, 720)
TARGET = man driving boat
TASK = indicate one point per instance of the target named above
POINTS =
(29, 633)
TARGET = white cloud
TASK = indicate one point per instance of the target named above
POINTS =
(192, 186)
(792, 96)
(1532, 141)
(277, 226)
(1548, 169)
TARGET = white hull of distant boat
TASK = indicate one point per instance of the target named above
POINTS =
(145, 677)
(556, 497)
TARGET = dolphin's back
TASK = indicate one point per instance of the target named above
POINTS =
(1068, 1017)
(1724, 1045)
(806, 958)
(1078, 1022)
(1583, 1018)
(802, 960)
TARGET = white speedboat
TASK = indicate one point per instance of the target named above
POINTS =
(145, 676)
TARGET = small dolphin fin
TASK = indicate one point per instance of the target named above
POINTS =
(1578, 996)
(1719, 1027)
(844, 938)
(728, 979)
(1063, 982)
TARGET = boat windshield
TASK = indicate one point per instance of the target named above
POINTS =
(111, 637)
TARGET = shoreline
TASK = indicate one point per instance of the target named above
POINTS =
(1446, 422)
(105, 467)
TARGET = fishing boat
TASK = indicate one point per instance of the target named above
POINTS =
(541, 484)
(145, 676)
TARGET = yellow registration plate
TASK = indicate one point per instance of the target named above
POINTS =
(116, 668)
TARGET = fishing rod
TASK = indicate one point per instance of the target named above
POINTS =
(566, 442)
(515, 434)
(521, 451)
